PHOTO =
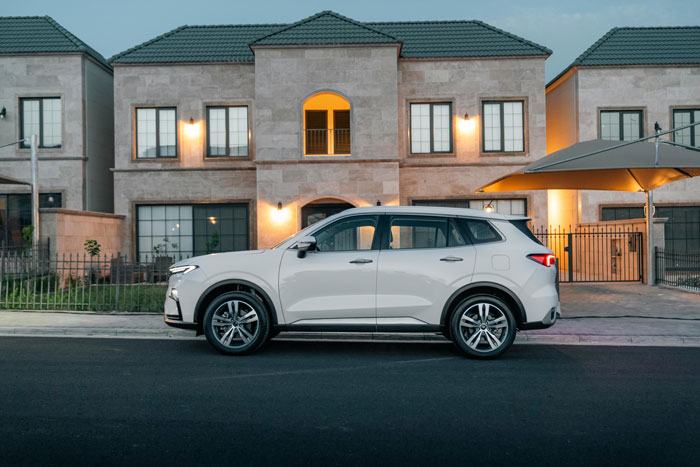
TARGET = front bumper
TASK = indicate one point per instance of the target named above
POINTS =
(173, 313)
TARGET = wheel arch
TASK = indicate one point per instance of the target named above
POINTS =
(232, 285)
(486, 288)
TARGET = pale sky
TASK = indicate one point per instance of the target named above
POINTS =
(566, 27)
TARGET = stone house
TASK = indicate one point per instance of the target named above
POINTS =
(618, 89)
(234, 137)
(56, 86)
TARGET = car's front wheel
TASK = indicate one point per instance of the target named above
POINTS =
(483, 326)
(236, 323)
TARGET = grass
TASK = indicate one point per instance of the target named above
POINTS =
(95, 297)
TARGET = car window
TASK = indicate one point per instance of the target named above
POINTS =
(351, 234)
(481, 231)
(455, 236)
(418, 232)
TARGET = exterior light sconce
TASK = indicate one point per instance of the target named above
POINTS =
(3, 112)
(466, 115)
(192, 129)
(489, 207)
(379, 203)
(191, 122)
(279, 205)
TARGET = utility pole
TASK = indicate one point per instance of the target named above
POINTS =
(35, 192)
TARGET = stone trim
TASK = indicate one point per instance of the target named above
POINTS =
(182, 169)
(83, 213)
(328, 161)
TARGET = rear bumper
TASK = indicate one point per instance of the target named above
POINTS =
(550, 318)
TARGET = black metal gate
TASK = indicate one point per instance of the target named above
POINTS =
(596, 254)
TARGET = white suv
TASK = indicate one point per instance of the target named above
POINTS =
(475, 277)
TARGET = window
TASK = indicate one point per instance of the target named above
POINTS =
(516, 207)
(408, 232)
(16, 213)
(621, 125)
(156, 132)
(351, 234)
(431, 128)
(689, 136)
(480, 231)
(227, 131)
(326, 125)
(503, 126)
(191, 229)
(41, 117)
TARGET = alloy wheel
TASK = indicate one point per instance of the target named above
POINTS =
(484, 327)
(235, 324)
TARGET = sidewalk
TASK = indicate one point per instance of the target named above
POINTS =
(595, 314)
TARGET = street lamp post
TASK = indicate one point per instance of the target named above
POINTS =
(35, 191)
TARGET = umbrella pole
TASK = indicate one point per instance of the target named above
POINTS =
(650, 238)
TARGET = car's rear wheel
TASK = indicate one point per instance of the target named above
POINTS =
(483, 326)
(236, 323)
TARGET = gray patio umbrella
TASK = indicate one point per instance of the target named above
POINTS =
(609, 165)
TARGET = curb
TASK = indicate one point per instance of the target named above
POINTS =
(427, 338)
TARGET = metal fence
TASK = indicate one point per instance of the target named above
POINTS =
(677, 269)
(37, 280)
(596, 253)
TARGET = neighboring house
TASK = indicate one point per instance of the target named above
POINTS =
(616, 90)
(55, 86)
(234, 137)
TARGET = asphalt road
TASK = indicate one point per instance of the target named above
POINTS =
(116, 402)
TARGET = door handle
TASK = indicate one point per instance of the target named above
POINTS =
(451, 259)
(361, 261)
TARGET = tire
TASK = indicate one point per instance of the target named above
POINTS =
(483, 326)
(236, 323)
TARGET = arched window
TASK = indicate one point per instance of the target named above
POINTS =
(326, 125)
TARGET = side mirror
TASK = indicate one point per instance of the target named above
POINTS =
(304, 245)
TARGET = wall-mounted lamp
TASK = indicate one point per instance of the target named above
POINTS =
(489, 207)
(279, 205)
(191, 122)
(466, 115)
(191, 129)
(3, 112)
(379, 203)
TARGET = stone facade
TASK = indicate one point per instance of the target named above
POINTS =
(67, 231)
(574, 103)
(379, 87)
(79, 169)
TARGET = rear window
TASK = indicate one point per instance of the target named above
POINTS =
(480, 231)
(521, 225)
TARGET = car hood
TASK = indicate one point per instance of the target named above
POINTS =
(217, 257)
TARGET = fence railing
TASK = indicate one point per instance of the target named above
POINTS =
(317, 141)
(677, 269)
(36, 280)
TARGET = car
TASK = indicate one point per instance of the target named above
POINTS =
(475, 277)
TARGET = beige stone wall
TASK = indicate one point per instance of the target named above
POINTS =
(60, 169)
(360, 184)
(461, 182)
(68, 230)
(466, 83)
(656, 90)
(215, 185)
(285, 77)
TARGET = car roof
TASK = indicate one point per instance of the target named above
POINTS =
(430, 210)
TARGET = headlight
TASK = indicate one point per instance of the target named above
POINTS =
(183, 269)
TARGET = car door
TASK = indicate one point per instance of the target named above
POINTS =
(335, 284)
(423, 260)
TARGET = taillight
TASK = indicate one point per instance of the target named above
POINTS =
(544, 260)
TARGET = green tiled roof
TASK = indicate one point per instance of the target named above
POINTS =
(421, 39)
(326, 28)
(642, 46)
(40, 34)
(427, 39)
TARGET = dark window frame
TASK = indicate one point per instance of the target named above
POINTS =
(136, 133)
(26, 197)
(621, 117)
(691, 112)
(228, 146)
(432, 129)
(502, 126)
(22, 136)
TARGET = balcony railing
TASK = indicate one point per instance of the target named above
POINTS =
(327, 141)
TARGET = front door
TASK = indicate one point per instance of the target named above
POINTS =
(336, 283)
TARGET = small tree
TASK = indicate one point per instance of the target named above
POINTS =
(213, 243)
(28, 236)
(92, 248)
